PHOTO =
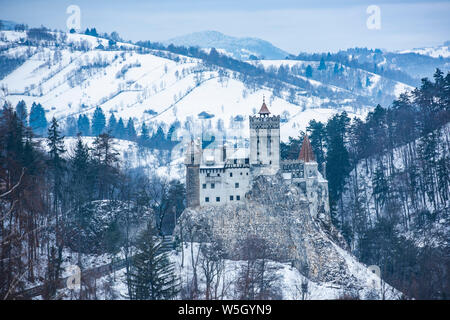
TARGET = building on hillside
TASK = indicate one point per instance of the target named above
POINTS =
(224, 175)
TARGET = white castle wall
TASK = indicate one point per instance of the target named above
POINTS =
(225, 175)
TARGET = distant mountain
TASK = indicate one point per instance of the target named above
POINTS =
(7, 25)
(239, 48)
(435, 52)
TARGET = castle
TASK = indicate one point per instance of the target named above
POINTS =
(224, 175)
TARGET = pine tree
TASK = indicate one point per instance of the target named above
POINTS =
(144, 137)
(336, 69)
(112, 124)
(106, 164)
(83, 124)
(158, 139)
(120, 129)
(322, 65)
(130, 130)
(38, 122)
(309, 71)
(71, 126)
(81, 185)
(98, 122)
(55, 142)
(337, 156)
(22, 112)
(151, 276)
(318, 140)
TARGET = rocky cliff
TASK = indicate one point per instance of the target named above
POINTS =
(280, 214)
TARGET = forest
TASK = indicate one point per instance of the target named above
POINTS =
(388, 178)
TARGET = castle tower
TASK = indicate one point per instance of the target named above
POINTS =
(308, 157)
(265, 142)
(192, 161)
(316, 185)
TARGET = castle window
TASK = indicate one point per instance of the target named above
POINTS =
(217, 199)
(241, 173)
(212, 185)
(207, 199)
(231, 198)
(238, 197)
(246, 161)
(236, 185)
(270, 162)
(231, 174)
(218, 174)
(247, 173)
(235, 161)
(207, 174)
(204, 186)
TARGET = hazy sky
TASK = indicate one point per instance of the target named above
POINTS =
(292, 25)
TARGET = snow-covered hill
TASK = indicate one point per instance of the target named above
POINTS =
(435, 52)
(76, 73)
(239, 48)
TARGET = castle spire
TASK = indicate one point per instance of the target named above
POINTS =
(264, 110)
(306, 152)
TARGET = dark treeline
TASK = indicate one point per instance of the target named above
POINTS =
(98, 124)
(388, 176)
(53, 199)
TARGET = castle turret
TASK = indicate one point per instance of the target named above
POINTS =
(265, 142)
(316, 185)
(192, 162)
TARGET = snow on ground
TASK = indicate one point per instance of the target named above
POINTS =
(149, 88)
(435, 52)
(290, 280)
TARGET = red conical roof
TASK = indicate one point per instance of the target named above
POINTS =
(306, 152)
(264, 110)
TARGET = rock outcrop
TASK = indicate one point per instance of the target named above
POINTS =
(279, 213)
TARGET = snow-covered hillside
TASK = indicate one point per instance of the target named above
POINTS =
(158, 87)
(435, 52)
(239, 48)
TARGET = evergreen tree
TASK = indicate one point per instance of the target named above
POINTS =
(120, 129)
(83, 124)
(309, 71)
(322, 65)
(38, 122)
(98, 121)
(318, 137)
(130, 130)
(336, 69)
(337, 156)
(112, 124)
(71, 127)
(144, 137)
(151, 276)
(106, 160)
(158, 139)
(22, 113)
(55, 142)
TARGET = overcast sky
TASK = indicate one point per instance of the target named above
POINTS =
(292, 25)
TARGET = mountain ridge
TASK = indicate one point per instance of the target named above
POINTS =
(241, 48)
